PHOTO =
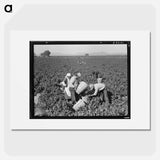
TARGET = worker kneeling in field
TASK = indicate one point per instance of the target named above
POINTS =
(99, 88)
(72, 87)
(73, 84)
(65, 81)
(65, 86)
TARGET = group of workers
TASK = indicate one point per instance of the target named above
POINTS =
(78, 93)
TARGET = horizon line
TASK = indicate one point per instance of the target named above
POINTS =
(83, 55)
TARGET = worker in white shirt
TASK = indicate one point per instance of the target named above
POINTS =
(66, 79)
(65, 86)
(99, 88)
(73, 83)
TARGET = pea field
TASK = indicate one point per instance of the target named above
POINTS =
(49, 71)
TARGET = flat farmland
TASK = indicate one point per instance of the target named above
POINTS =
(49, 71)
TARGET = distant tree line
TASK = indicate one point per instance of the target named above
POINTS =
(46, 53)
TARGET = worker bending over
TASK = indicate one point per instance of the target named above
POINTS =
(99, 89)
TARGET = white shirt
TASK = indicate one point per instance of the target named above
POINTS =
(65, 82)
(72, 81)
(98, 87)
(67, 91)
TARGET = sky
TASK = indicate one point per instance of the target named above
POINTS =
(80, 50)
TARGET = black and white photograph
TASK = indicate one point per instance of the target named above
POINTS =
(80, 79)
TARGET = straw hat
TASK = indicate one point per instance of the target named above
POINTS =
(79, 74)
(68, 75)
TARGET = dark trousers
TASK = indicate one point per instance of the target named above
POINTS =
(73, 95)
(104, 96)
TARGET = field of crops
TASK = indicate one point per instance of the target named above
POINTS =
(50, 71)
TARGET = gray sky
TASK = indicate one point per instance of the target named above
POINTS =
(73, 50)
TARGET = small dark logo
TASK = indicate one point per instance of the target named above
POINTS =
(8, 8)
